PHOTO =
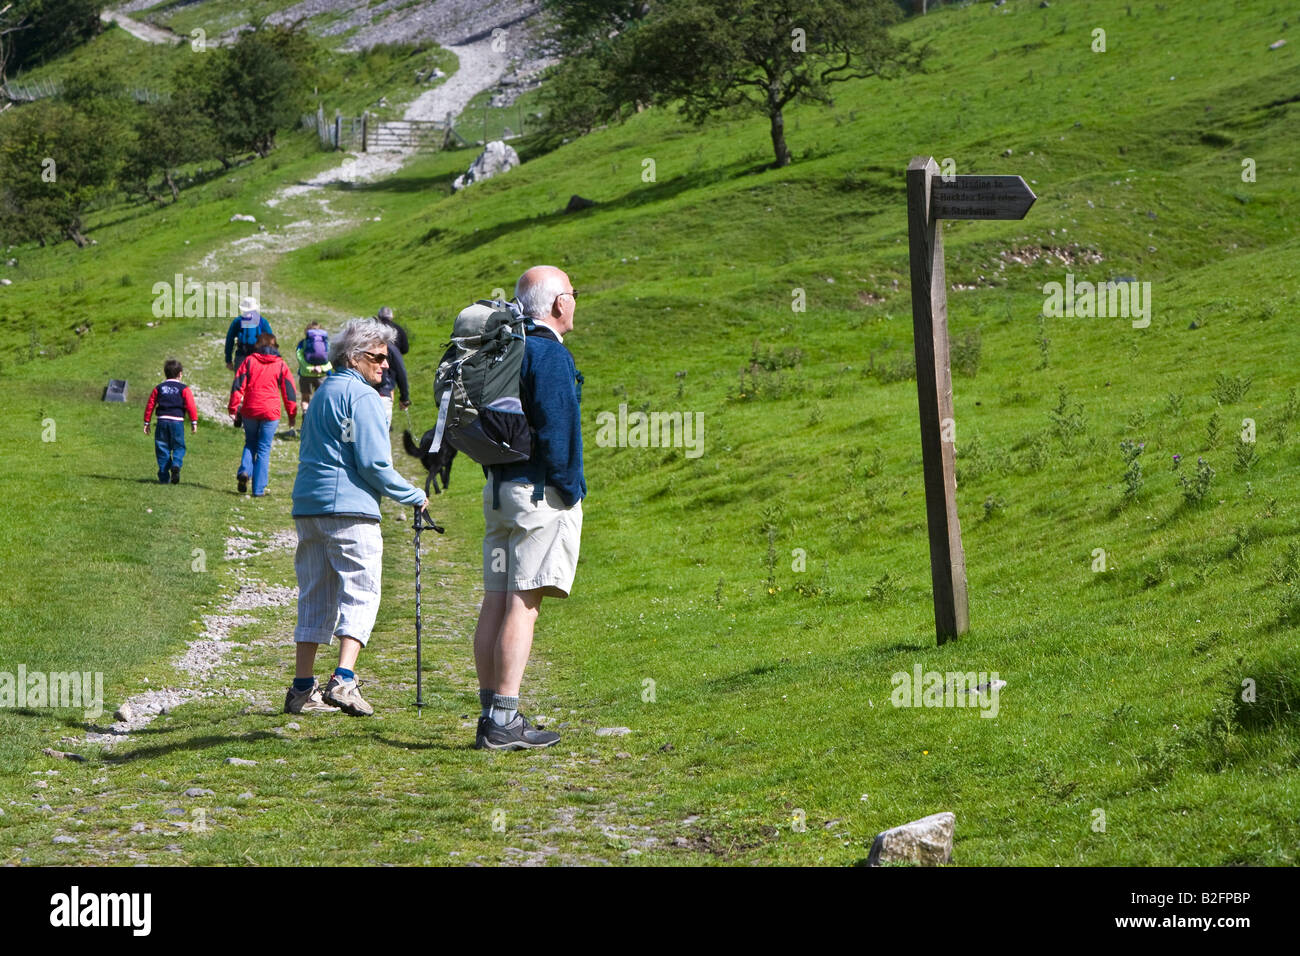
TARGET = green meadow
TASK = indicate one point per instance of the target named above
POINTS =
(744, 607)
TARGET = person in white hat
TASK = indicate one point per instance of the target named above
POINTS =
(241, 337)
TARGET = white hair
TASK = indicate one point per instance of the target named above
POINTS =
(357, 336)
(536, 297)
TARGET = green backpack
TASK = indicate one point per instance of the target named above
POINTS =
(477, 386)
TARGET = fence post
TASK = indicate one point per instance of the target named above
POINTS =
(365, 129)
(338, 129)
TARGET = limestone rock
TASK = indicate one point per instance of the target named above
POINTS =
(925, 842)
(496, 158)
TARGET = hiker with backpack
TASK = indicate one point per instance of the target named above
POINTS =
(313, 362)
(344, 466)
(262, 380)
(244, 331)
(395, 372)
(509, 394)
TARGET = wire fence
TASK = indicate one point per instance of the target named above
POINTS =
(45, 89)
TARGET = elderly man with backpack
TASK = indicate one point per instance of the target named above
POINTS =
(525, 428)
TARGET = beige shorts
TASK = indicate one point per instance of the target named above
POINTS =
(530, 544)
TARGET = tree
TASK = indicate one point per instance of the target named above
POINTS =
(11, 21)
(54, 162)
(593, 83)
(168, 135)
(53, 27)
(254, 88)
(760, 56)
(576, 25)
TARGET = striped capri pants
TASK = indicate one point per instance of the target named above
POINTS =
(339, 563)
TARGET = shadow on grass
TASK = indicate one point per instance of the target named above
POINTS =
(194, 743)
(423, 745)
(640, 196)
(155, 481)
(407, 184)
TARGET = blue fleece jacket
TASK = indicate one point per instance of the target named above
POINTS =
(343, 459)
(550, 389)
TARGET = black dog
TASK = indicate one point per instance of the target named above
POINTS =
(438, 463)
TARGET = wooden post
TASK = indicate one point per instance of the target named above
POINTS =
(930, 199)
(365, 124)
(934, 393)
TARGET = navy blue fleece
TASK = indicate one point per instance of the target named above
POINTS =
(550, 390)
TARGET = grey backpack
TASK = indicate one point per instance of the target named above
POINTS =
(477, 386)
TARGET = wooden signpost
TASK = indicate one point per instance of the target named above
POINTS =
(929, 199)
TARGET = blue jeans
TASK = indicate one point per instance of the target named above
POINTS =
(256, 462)
(169, 443)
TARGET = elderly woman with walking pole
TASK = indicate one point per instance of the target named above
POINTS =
(344, 467)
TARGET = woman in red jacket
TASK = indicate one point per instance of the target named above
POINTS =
(260, 382)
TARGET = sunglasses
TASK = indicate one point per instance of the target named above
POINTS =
(379, 358)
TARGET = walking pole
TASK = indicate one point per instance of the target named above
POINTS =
(420, 526)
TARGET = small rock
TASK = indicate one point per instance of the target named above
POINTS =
(174, 812)
(1007, 151)
(241, 217)
(244, 796)
(613, 731)
(240, 762)
(124, 712)
(926, 842)
(137, 828)
(292, 725)
(198, 792)
(6, 281)
(61, 755)
(1277, 45)
(65, 839)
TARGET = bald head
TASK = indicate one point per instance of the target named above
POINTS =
(545, 293)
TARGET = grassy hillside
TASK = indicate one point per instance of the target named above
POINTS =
(769, 735)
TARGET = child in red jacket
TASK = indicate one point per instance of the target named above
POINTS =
(173, 400)
(262, 380)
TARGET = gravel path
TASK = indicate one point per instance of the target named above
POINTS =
(144, 31)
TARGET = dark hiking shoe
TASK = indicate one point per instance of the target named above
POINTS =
(176, 475)
(519, 734)
(481, 734)
(243, 483)
(344, 695)
(162, 478)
